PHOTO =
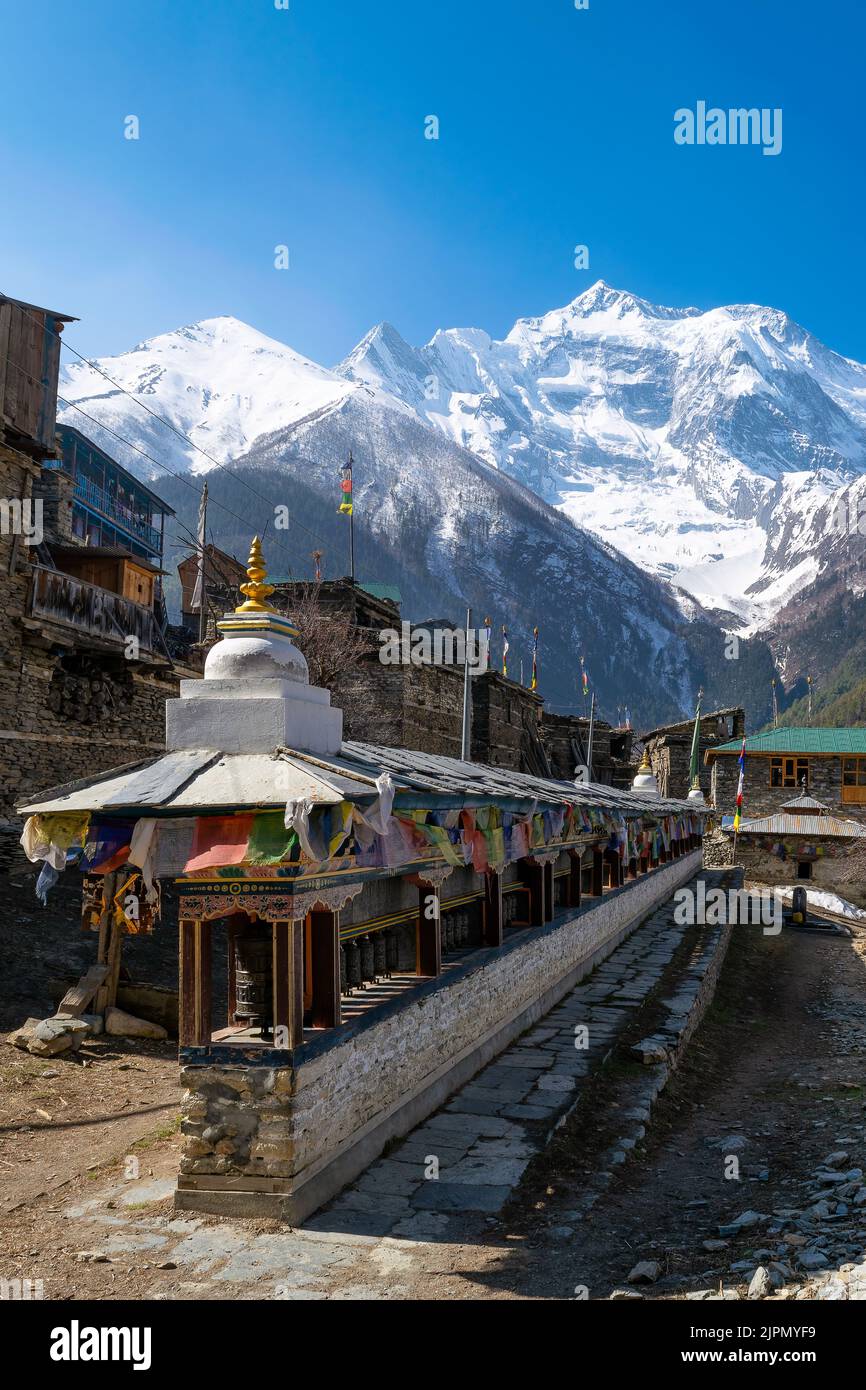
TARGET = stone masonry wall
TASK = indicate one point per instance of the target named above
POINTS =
(760, 799)
(280, 1122)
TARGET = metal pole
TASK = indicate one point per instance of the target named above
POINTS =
(589, 738)
(467, 694)
(352, 519)
(202, 612)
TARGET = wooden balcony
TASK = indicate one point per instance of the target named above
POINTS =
(96, 616)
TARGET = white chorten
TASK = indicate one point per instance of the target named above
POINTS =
(255, 695)
(645, 780)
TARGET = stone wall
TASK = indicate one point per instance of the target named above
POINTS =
(670, 749)
(505, 724)
(321, 1120)
(843, 874)
(760, 799)
(402, 706)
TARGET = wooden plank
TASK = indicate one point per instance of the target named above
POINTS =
(288, 980)
(186, 984)
(493, 928)
(75, 1000)
(428, 939)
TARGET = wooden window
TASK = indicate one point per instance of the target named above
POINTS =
(854, 780)
(789, 772)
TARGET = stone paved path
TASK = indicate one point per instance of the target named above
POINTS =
(446, 1182)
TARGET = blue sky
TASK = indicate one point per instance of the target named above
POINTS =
(305, 127)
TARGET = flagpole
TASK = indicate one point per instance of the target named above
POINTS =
(467, 695)
(352, 523)
(202, 612)
(589, 738)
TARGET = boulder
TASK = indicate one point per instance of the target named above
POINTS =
(761, 1284)
(122, 1025)
(22, 1036)
(645, 1272)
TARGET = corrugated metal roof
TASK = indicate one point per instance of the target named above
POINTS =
(803, 827)
(799, 740)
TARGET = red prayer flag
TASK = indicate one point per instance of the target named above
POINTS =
(219, 840)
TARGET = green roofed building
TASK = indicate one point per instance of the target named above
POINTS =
(826, 763)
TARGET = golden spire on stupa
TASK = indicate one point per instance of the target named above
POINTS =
(255, 588)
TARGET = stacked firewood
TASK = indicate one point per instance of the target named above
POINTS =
(88, 693)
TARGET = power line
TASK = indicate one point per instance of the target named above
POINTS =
(156, 416)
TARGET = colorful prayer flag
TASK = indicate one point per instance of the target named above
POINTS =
(534, 681)
(346, 505)
(219, 840)
(742, 765)
(504, 652)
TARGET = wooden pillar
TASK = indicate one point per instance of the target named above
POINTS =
(428, 949)
(325, 968)
(613, 863)
(663, 855)
(574, 877)
(632, 868)
(194, 992)
(289, 980)
(493, 922)
(533, 877)
(549, 907)
(597, 872)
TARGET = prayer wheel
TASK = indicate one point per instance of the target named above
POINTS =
(392, 951)
(254, 977)
(380, 958)
(368, 959)
(353, 964)
(447, 931)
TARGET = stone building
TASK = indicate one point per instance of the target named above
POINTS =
(83, 679)
(669, 748)
(829, 764)
(802, 842)
(566, 738)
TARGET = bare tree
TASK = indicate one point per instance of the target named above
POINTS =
(332, 643)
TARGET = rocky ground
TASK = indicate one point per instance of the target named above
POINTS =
(741, 1176)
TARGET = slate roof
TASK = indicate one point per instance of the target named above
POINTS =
(182, 783)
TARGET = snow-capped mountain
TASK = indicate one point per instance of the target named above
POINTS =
(431, 516)
(704, 445)
(219, 382)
